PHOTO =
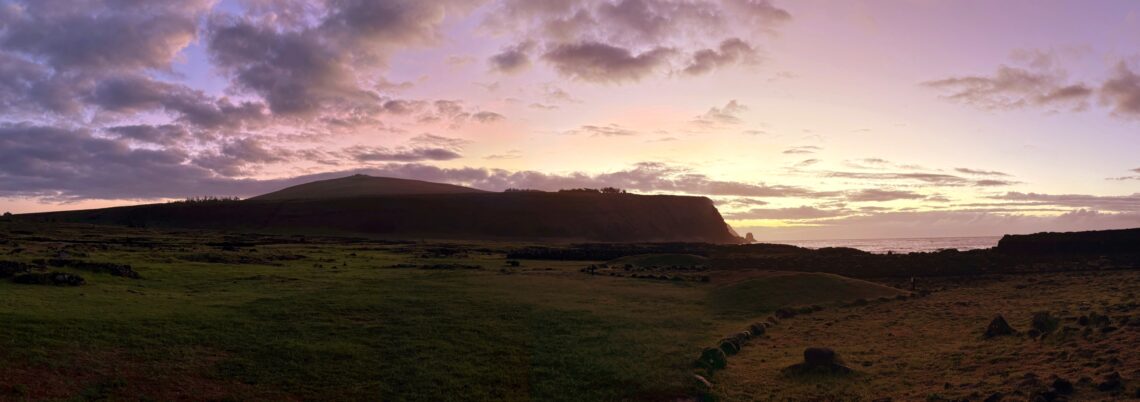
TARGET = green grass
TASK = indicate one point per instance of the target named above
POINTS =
(771, 292)
(661, 260)
(340, 324)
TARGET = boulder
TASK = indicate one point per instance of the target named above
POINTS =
(999, 327)
(1063, 386)
(819, 356)
(819, 360)
(1044, 322)
(729, 346)
(1111, 383)
(785, 313)
(757, 329)
(712, 359)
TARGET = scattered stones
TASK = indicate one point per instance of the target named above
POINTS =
(999, 327)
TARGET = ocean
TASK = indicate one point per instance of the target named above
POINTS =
(909, 245)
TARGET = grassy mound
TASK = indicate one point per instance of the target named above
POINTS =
(765, 294)
(661, 260)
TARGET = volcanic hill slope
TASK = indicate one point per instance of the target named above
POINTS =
(409, 209)
(362, 186)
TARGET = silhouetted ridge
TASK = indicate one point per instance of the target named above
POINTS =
(334, 206)
(363, 186)
(1094, 242)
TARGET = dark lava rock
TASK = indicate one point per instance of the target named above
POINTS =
(999, 327)
(1045, 322)
(730, 346)
(819, 356)
(994, 397)
(1111, 383)
(11, 268)
(1063, 386)
(785, 313)
(712, 359)
(757, 329)
(50, 278)
(819, 360)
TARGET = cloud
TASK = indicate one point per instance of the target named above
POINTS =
(513, 59)
(512, 154)
(801, 150)
(807, 162)
(1015, 88)
(978, 172)
(995, 183)
(797, 213)
(1121, 92)
(89, 36)
(241, 157)
(731, 51)
(414, 154)
(609, 130)
(721, 116)
(439, 141)
(1130, 203)
(603, 63)
(487, 117)
(881, 195)
(166, 134)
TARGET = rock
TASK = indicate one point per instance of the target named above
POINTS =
(819, 356)
(1084, 320)
(757, 329)
(729, 346)
(702, 380)
(1033, 333)
(712, 359)
(999, 327)
(1045, 322)
(50, 278)
(1111, 383)
(1063, 386)
(995, 397)
(785, 313)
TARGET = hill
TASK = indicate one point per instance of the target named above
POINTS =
(1091, 242)
(362, 186)
(539, 216)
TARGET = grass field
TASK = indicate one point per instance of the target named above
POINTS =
(229, 317)
(933, 349)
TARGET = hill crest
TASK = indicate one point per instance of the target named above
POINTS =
(360, 185)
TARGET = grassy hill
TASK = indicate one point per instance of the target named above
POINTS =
(362, 186)
(536, 216)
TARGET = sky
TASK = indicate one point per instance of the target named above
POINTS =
(810, 119)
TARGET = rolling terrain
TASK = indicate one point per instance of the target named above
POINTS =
(407, 209)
